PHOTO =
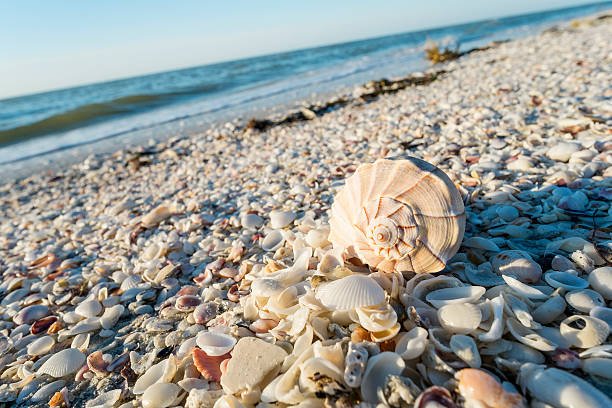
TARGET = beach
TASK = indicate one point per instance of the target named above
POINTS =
(126, 258)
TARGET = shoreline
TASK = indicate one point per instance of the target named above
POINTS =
(124, 260)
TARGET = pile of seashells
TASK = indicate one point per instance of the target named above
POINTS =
(218, 280)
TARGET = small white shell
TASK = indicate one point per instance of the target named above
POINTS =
(399, 214)
(462, 318)
(317, 238)
(466, 349)
(40, 346)
(63, 363)
(565, 280)
(161, 372)
(412, 344)
(215, 343)
(528, 336)
(600, 279)
(273, 240)
(160, 395)
(602, 313)
(350, 292)
(599, 366)
(584, 300)
(517, 264)
(280, 219)
(105, 400)
(111, 316)
(459, 294)
(591, 332)
(549, 310)
(427, 285)
(378, 369)
(524, 290)
(89, 308)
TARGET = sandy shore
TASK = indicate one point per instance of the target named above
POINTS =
(523, 130)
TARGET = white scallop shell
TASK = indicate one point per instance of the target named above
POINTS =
(350, 292)
(378, 369)
(161, 372)
(600, 279)
(459, 294)
(273, 240)
(565, 280)
(399, 214)
(591, 332)
(160, 395)
(215, 343)
(63, 363)
(584, 300)
(460, 318)
(40, 346)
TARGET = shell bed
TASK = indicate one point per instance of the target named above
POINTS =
(212, 271)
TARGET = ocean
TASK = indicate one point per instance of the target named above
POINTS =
(65, 124)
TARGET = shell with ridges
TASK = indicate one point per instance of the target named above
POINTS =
(350, 292)
(63, 363)
(399, 214)
(592, 332)
(460, 318)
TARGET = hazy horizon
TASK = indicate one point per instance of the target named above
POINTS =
(70, 69)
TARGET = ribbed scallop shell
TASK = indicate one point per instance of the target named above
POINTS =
(350, 292)
(63, 363)
(399, 214)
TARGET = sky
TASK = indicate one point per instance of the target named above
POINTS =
(53, 44)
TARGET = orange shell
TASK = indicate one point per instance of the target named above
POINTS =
(208, 366)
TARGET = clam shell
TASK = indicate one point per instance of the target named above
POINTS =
(399, 214)
(548, 311)
(111, 316)
(89, 308)
(29, 314)
(462, 318)
(215, 344)
(281, 219)
(584, 331)
(465, 348)
(602, 313)
(425, 286)
(350, 292)
(598, 366)
(378, 369)
(41, 346)
(105, 400)
(565, 280)
(517, 264)
(524, 290)
(160, 395)
(460, 294)
(584, 300)
(63, 363)
(412, 344)
(161, 372)
(273, 240)
(208, 366)
(600, 280)
(528, 336)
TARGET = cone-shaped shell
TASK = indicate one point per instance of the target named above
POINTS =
(350, 292)
(399, 214)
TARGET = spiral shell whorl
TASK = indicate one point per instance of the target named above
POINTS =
(399, 214)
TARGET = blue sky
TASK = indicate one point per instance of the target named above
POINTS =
(51, 44)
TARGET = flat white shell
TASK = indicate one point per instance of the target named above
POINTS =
(63, 363)
(41, 346)
(89, 308)
(161, 372)
(273, 240)
(565, 280)
(111, 316)
(378, 369)
(584, 300)
(280, 219)
(411, 345)
(215, 344)
(160, 395)
(459, 294)
(350, 292)
(600, 279)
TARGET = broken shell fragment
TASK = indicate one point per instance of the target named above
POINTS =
(215, 344)
(584, 331)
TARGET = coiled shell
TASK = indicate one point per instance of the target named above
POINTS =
(399, 214)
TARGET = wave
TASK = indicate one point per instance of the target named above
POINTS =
(98, 112)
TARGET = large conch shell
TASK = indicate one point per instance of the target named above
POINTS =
(399, 214)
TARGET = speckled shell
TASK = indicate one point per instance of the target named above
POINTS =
(399, 214)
